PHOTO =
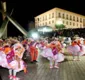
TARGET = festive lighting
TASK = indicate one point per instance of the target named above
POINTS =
(35, 35)
(45, 29)
(59, 22)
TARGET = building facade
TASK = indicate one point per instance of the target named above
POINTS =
(68, 19)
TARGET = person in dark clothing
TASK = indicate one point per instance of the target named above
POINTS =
(0, 77)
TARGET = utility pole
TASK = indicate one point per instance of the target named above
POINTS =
(3, 4)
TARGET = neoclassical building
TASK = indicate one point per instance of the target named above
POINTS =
(55, 15)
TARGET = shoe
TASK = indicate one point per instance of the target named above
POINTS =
(32, 62)
(51, 67)
(35, 61)
(74, 59)
(56, 67)
(10, 77)
(78, 59)
(15, 78)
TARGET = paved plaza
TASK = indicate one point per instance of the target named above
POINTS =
(69, 70)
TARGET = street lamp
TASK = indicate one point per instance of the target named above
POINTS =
(59, 22)
(35, 35)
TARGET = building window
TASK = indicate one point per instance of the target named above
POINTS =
(59, 15)
(81, 20)
(38, 19)
(77, 19)
(73, 18)
(63, 16)
(70, 17)
(52, 15)
(66, 16)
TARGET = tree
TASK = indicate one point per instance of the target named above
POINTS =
(59, 26)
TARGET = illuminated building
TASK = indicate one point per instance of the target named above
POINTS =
(69, 19)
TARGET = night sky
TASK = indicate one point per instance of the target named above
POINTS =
(26, 10)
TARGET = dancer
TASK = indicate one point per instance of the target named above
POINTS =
(11, 58)
(53, 55)
(18, 63)
(33, 51)
(75, 50)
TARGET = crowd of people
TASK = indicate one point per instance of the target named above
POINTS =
(12, 51)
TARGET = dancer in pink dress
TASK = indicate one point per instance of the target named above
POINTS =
(11, 58)
(18, 64)
(53, 55)
(76, 50)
